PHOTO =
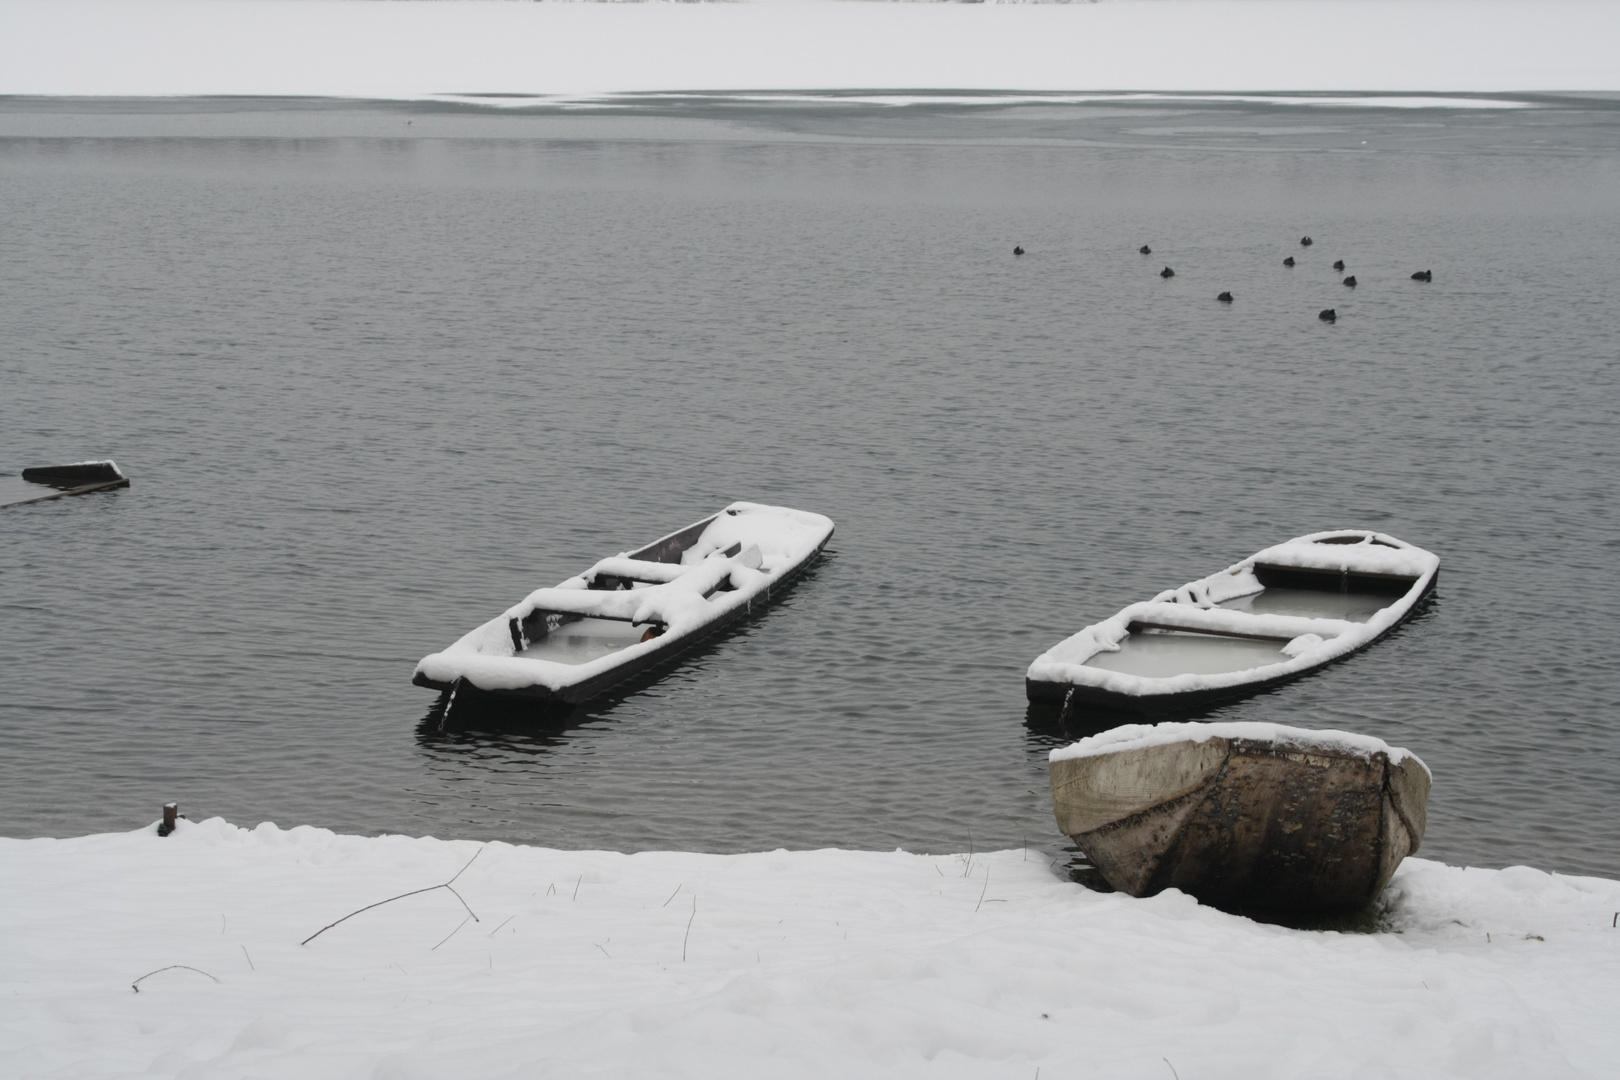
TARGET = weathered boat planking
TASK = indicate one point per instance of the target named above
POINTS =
(46, 482)
(1243, 816)
(1279, 614)
(573, 642)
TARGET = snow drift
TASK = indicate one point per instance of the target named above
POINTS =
(781, 964)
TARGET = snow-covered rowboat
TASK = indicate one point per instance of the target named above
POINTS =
(1244, 816)
(633, 611)
(1275, 616)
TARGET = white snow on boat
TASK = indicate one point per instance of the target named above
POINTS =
(1141, 736)
(1274, 616)
(634, 610)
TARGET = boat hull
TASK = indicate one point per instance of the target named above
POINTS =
(686, 586)
(1074, 675)
(45, 483)
(1245, 824)
(584, 691)
(1103, 699)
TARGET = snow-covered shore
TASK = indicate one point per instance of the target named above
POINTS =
(815, 963)
(413, 49)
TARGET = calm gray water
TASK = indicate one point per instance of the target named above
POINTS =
(379, 370)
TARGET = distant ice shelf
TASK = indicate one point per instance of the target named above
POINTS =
(417, 49)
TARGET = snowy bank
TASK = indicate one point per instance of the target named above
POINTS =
(780, 964)
(405, 49)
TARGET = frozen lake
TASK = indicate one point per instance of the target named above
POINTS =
(378, 371)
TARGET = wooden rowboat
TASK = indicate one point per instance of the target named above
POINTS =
(1277, 615)
(633, 611)
(1244, 816)
(48, 482)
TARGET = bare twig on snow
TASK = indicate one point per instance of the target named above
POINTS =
(136, 985)
(446, 885)
(451, 934)
(688, 936)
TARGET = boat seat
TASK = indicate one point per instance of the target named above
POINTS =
(609, 573)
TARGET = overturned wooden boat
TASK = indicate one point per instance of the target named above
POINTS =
(1244, 816)
(1277, 615)
(633, 611)
(46, 482)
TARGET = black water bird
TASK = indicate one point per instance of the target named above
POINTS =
(1423, 275)
(1351, 281)
(1305, 241)
(1018, 251)
(1145, 250)
(1167, 273)
(1339, 264)
(1225, 298)
(1288, 261)
(1328, 315)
